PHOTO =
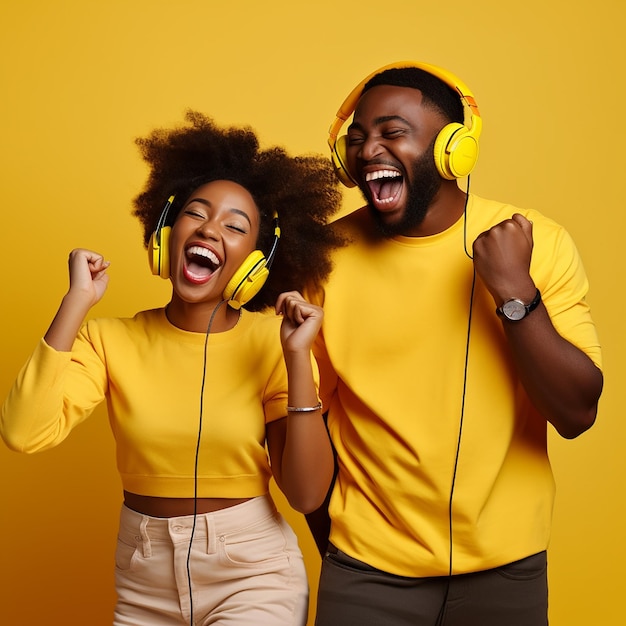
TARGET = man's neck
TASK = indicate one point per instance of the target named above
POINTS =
(445, 210)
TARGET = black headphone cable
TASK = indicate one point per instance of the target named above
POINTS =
(440, 617)
(196, 460)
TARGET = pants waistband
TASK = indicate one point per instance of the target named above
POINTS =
(226, 520)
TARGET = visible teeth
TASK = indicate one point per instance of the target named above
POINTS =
(382, 174)
(204, 252)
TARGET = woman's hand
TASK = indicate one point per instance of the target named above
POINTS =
(88, 282)
(88, 277)
(300, 451)
(301, 321)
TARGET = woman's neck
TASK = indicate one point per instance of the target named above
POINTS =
(196, 317)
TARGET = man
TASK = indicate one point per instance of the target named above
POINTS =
(455, 328)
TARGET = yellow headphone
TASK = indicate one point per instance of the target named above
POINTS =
(245, 283)
(456, 146)
(159, 244)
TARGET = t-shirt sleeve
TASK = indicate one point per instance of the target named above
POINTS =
(564, 285)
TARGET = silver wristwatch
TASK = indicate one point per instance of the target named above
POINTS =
(515, 310)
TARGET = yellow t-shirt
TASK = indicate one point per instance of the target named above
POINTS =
(150, 374)
(392, 362)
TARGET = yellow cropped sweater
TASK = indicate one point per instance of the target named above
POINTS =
(150, 374)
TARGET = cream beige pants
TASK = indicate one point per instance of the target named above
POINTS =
(244, 569)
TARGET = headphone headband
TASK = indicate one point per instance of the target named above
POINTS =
(472, 129)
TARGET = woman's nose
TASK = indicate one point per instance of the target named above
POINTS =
(207, 229)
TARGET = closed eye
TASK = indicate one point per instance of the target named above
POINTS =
(193, 213)
(237, 228)
(355, 140)
(392, 134)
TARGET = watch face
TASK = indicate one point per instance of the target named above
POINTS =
(514, 309)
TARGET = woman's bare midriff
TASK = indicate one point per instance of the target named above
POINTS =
(177, 507)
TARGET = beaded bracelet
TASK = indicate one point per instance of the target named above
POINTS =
(304, 409)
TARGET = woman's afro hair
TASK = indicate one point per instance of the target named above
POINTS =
(302, 191)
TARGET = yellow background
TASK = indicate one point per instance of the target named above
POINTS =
(80, 79)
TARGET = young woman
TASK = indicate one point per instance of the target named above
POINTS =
(197, 390)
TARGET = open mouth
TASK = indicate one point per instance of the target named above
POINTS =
(200, 263)
(385, 186)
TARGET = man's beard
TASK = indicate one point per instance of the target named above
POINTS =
(425, 184)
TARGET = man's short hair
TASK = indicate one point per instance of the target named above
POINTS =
(435, 92)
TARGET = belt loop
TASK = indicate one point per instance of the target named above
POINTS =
(211, 542)
(145, 539)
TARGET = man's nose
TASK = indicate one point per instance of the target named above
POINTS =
(370, 148)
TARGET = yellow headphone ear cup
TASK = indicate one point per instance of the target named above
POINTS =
(339, 159)
(159, 252)
(247, 280)
(455, 151)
